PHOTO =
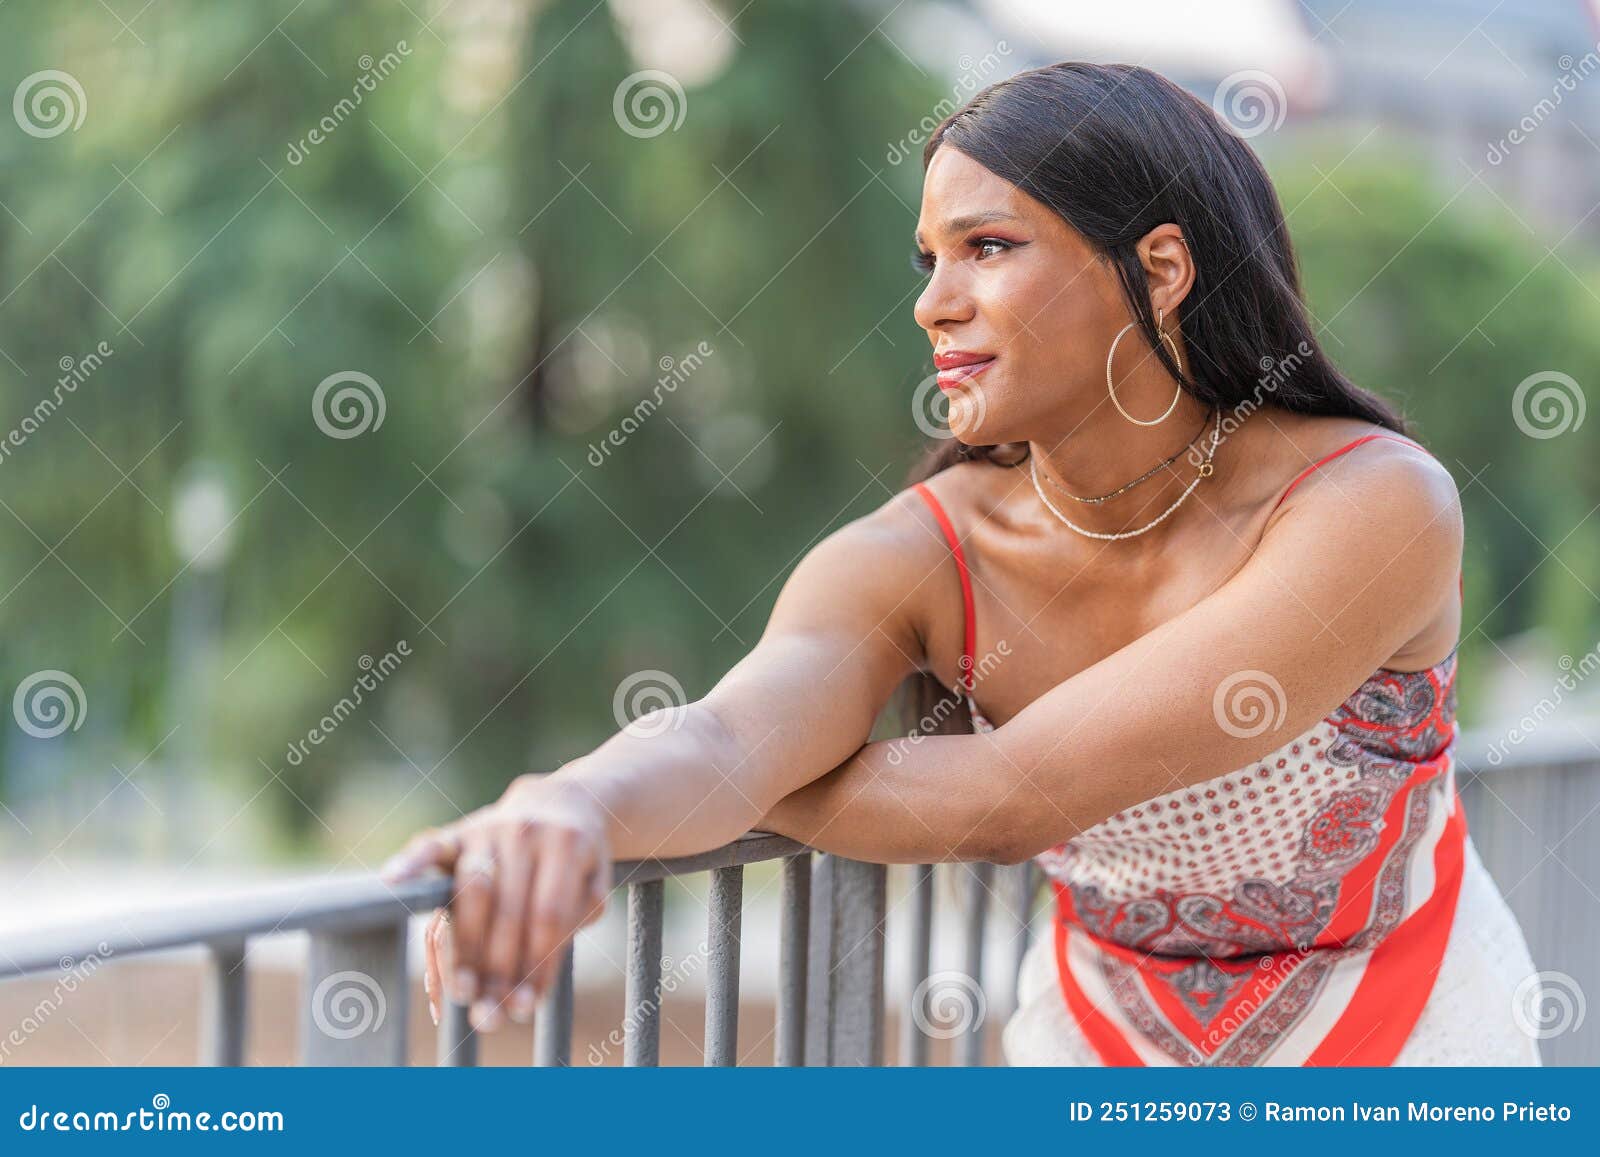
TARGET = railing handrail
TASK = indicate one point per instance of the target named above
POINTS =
(351, 901)
(360, 900)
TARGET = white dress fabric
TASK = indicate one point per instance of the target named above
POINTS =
(1469, 1018)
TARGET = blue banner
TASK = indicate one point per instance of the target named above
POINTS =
(657, 1111)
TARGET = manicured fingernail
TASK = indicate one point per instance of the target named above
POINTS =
(521, 1002)
(433, 1011)
(466, 985)
(427, 982)
(485, 1016)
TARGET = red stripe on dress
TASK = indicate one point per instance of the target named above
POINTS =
(970, 628)
(1097, 1029)
(1400, 973)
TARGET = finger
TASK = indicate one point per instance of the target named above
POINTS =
(516, 849)
(598, 895)
(432, 983)
(446, 955)
(471, 911)
(431, 965)
(434, 847)
(558, 887)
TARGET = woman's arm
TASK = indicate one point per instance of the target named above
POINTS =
(1358, 566)
(535, 866)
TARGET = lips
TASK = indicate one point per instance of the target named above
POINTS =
(956, 366)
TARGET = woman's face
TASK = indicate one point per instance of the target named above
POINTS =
(1012, 283)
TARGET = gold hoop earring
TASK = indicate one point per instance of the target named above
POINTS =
(1176, 357)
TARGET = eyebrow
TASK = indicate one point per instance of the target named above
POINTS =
(972, 221)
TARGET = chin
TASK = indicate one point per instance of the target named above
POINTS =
(968, 417)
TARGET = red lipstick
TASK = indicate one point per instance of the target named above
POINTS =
(956, 366)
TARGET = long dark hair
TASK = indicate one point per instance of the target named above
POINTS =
(1117, 150)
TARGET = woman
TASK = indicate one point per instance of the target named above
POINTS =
(1206, 590)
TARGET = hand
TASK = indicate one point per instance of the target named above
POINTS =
(530, 870)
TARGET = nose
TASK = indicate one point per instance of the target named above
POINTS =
(944, 301)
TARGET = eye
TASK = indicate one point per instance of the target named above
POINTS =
(923, 261)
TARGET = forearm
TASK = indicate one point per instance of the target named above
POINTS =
(666, 785)
(938, 798)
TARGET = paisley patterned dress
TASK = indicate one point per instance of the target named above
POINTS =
(1297, 911)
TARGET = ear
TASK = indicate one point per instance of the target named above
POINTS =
(1168, 266)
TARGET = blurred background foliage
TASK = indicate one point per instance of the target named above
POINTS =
(514, 269)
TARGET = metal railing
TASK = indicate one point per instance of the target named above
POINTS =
(1527, 814)
(830, 997)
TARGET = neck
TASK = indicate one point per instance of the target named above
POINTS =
(1104, 451)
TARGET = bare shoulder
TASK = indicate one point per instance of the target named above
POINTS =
(873, 573)
(1371, 474)
(1380, 519)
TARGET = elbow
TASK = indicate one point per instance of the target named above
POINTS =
(1024, 823)
(1002, 835)
(1012, 850)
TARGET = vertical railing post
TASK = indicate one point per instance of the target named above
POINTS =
(353, 1009)
(1023, 883)
(793, 935)
(977, 878)
(724, 913)
(224, 1006)
(641, 1024)
(913, 1040)
(844, 1014)
(458, 1041)
(552, 1024)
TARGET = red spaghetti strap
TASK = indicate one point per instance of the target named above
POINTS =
(1329, 457)
(969, 640)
